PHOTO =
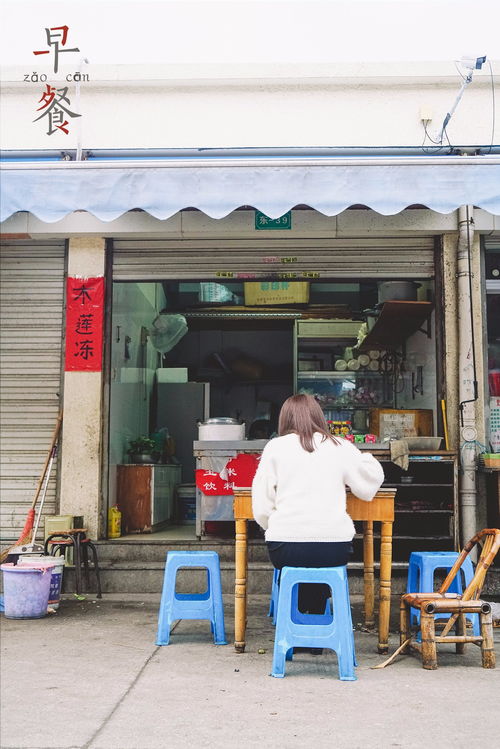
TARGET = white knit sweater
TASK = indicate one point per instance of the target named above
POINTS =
(301, 496)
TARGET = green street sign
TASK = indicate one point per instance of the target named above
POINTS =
(263, 222)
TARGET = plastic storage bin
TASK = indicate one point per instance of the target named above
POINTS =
(186, 504)
(26, 591)
(56, 566)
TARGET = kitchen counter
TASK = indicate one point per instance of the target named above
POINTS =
(221, 447)
(436, 477)
(203, 447)
(217, 453)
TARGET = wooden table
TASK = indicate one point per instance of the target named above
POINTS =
(380, 509)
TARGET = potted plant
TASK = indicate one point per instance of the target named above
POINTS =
(142, 450)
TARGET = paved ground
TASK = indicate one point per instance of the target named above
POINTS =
(91, 677)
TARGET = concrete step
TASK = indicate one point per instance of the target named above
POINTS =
(147, 577)
(155, 551)
(139, 576)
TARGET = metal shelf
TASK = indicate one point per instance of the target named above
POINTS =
(410, 538)
(405, 486)
(323, 374)
(430, 512)
(397, 322)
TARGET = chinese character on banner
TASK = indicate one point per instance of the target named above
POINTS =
(57, 37)
(55, 109)
(84, 324)
(240, 471)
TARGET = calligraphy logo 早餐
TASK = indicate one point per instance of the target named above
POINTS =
(55, 102)
(57, 37)
(54, 106)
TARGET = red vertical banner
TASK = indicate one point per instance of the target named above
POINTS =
(84, 324)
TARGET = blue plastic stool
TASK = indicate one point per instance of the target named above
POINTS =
(275, 590)
(273, 603)
(421, 569)
(207, 605)
(295, 629)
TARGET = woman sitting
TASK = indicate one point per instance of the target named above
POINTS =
(299, 494)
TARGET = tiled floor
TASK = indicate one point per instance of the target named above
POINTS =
(170, 533)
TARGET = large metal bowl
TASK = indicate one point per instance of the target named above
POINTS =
(424, 443)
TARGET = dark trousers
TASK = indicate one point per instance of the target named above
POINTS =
(312, 596)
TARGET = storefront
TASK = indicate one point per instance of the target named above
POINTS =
(197, 266)
(205, 328)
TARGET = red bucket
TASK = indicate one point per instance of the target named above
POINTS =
(494, 382)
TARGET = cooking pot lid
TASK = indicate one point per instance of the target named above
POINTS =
(220, 420)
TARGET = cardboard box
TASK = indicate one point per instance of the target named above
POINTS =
(400, 422)
(259, 293)
(490, 460)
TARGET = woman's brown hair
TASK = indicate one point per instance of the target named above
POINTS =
(302, 415)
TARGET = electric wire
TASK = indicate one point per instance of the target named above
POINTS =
(458, 70)
(473, 337)
(445, 132)
(492, 106)
(439, 143)
(475, 445)
(439, 146)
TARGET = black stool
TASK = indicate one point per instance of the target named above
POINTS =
(76, 538)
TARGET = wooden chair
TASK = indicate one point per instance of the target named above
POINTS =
(456, 605)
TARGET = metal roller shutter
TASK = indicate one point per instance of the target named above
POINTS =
(32, 297)
(492, 242)
(155, 259)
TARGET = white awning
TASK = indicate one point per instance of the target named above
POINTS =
(388, 185)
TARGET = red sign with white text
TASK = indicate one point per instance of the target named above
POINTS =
(84, 324)
(240, 472)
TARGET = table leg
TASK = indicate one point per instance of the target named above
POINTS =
(385, 586)
(240, 586)
(368, 573)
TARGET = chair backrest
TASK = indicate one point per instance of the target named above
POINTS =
(489, 540)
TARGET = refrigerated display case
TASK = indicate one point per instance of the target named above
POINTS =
(346, 383)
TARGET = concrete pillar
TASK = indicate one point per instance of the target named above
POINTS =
(458, 303)
(81, 449)
(467, 379)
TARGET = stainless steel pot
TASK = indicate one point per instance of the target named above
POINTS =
(406, 291)
(221, 428)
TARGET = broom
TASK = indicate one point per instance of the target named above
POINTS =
(26, 533)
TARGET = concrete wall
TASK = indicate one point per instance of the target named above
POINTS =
(188, 106)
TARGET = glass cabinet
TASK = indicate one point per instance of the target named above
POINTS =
(346, 383)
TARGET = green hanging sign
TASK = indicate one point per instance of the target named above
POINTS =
(263, 222)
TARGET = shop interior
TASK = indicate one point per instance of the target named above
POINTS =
(491, 474)
(184, 352)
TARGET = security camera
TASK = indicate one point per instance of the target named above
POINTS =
(470, 64)
(473, 63)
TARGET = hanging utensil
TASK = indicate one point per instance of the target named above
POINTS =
(53, 455)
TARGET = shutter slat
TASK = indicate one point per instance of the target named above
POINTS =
(176, 259)
(31, 308)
